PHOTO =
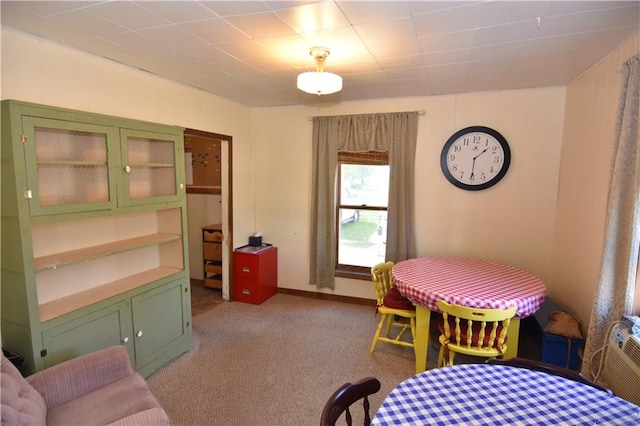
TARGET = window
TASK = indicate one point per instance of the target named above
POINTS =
(361, 212)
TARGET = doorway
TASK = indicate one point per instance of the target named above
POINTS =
(208, 169)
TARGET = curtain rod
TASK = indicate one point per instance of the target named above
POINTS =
(421, 112)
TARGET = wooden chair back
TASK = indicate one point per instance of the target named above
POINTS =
(472, 331)
(346, 396)
(397, 313)
(549, 369)
(382, 280)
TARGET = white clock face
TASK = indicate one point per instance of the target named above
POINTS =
(475, 158)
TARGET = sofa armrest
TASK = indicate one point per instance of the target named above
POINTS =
(78, 376)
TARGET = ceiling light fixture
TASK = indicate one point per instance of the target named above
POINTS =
(319, 82)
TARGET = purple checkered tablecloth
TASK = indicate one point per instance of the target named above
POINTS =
(482, 394)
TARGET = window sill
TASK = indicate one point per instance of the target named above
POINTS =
(356, 275)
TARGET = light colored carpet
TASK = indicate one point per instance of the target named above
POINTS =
(276, 363)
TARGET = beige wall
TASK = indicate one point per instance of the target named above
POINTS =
(512, 222)
(584, 182)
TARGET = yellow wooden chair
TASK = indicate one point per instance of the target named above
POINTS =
(391, 305)
(472, 331)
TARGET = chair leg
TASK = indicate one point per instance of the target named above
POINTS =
(452, 355)
(377, 335)
(390, 321)
(412, 322)
(402, 332)
(440, 356)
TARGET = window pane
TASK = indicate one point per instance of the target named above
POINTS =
(364, 185)
(362, 237)
(362, 230)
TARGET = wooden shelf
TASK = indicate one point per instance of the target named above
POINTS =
(71, 163)
(152, 165)
(67, 304)
(58, 260)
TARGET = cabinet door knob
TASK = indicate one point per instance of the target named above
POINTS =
(125, 340)
(127, 169)
(139, 333)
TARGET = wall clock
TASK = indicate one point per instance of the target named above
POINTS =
(475, 158)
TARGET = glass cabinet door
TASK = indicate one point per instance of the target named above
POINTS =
(150, 167)
(68, 165)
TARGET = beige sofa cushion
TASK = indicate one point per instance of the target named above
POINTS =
(21, 403)
(112, 403)
(94, 389)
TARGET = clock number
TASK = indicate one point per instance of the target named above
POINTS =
(465, 141)
(452, 157)
(457, 148)
(476, 139)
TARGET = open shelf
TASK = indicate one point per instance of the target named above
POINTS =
(58, 260)
(64, 305)
(76, 163)
(151, 165)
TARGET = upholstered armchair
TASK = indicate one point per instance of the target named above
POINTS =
(95, 389)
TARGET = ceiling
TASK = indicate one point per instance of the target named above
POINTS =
(252, 51)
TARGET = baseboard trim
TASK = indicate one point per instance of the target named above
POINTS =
(325, 296)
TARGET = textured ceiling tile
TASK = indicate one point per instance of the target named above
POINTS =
(178, 11)
(261, 25)
(252, 51)
(314, 17)
(128, 14)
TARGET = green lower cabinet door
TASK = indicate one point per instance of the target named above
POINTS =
(97, 330)
(158, 323)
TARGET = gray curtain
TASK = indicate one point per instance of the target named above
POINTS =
(395, 133)
(615, 291)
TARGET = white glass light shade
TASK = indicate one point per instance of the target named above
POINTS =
(319, 83)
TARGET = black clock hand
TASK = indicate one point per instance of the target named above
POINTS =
(473, 166)
(474, 162)
(485, 150)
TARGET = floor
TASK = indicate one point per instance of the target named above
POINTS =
(204, 299)
(530, 339)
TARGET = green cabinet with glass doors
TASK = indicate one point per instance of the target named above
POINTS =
(94, 237)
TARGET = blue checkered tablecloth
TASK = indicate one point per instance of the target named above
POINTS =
(482, 394)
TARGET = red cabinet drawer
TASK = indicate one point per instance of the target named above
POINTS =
(246, 266)
(255, 275)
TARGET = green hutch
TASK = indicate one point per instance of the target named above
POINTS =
(94, 237)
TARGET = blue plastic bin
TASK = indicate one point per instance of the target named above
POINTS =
(557, 350)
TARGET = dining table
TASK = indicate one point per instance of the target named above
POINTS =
(485, 394)
(472, 282)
